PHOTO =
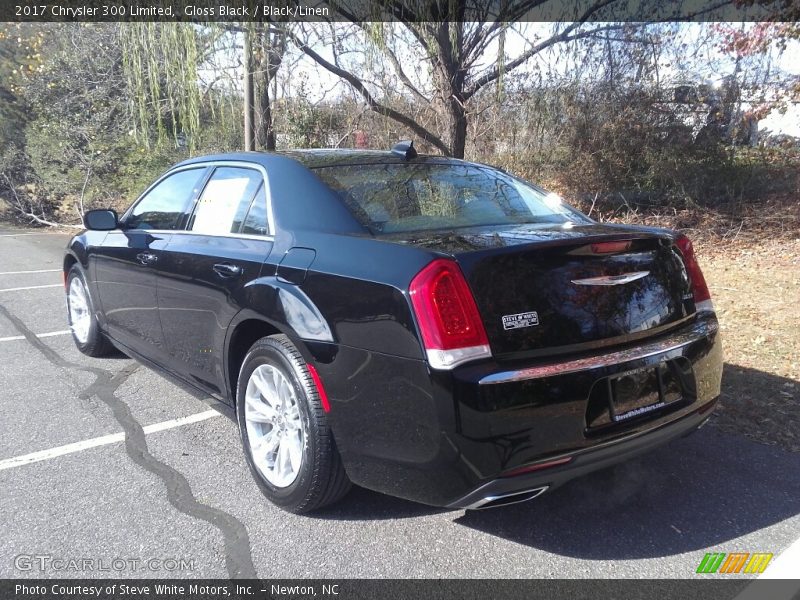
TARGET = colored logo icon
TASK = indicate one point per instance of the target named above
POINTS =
(735, 562)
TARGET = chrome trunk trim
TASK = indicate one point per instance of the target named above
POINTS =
(704, 327)
(612, 279)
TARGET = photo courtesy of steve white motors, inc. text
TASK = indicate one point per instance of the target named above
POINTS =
(236, 590)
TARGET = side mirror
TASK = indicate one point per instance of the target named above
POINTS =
(100, 220)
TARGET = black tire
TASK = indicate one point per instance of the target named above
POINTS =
(96, 344)
(321, 479)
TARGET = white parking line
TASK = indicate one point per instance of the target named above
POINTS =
(26, 272)
(26, 233)
(786, 565)
(32, 287)
(12, 338)
(26, 459)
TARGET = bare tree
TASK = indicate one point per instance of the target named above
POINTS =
(453, 46)
(270, 48)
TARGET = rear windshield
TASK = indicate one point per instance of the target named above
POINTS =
(393, 198)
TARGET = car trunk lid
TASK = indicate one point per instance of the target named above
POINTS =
(544, 290)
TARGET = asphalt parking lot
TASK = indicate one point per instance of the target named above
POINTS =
(105, 460)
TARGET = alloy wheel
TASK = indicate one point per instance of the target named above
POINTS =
(275, 429)
(80, 317)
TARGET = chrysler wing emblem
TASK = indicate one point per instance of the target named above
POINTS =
(612, 279)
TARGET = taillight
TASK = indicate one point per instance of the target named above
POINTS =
(702, 297)
(449, 322)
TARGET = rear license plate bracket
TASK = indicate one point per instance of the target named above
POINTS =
(640, 391)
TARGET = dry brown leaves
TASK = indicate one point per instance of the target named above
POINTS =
(752, 266)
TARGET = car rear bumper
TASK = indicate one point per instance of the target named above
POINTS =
(452, 438)
(509, 490)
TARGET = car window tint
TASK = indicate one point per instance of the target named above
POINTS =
(225, 200)
(256, 221)
(163, 205)
(411, 197)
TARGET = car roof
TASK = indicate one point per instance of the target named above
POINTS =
(327, 157)
(343, 156)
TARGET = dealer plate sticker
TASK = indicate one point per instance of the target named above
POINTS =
(518, 321)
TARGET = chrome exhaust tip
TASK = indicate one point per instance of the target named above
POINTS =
(507, 499)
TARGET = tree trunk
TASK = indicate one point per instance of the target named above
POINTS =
(450, 81)
(271, 50)
(249, 126)
(450, 107)
(265, 134)
(457, 128)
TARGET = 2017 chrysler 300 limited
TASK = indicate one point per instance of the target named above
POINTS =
(426, 327)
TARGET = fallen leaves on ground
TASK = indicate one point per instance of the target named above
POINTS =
(756, 290)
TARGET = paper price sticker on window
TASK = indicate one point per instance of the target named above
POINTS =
(217, 207)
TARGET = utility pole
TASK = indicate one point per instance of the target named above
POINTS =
(249, 94)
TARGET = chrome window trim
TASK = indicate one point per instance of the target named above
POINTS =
(206, 165)
(245, 236)
(703, 328)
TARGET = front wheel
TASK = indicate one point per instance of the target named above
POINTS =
(287, 442)
(82, 320)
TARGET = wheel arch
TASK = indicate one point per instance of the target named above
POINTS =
(76, 254)
(69, 262)
(247, 328)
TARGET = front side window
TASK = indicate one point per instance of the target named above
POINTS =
(163, 205)
(413, 197)
(225, 201)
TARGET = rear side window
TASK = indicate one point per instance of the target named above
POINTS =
(225, 201)
(412, 197)
(163, 205)
(256, 221)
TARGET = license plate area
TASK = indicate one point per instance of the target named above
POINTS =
(640, 393)
(635, 393)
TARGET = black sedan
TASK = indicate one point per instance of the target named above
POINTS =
(430, 328)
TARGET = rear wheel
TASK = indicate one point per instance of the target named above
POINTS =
(287, 442)
(82, 320)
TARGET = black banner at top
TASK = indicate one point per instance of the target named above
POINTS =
(398, 10)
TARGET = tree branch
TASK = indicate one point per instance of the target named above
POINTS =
(398, 68)
(83, 192)
(376, 106)
(509, 13)
(564, 36)
(19, 206)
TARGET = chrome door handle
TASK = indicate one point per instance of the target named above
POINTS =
(227, 270)
(146, 258)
